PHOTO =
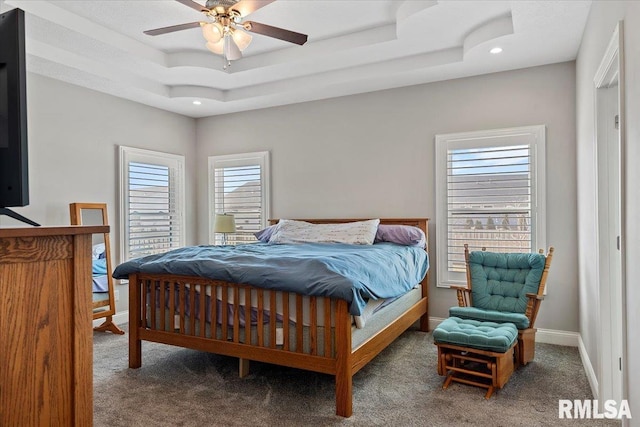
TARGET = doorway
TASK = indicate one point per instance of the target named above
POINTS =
(610, 225)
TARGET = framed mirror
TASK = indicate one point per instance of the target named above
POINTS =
(104, 305)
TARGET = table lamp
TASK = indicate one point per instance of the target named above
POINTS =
(224, 223)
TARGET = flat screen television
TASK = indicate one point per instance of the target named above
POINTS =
(14, 164)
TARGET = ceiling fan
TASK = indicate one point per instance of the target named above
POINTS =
(225, 31)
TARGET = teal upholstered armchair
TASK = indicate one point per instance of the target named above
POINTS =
(505, 287)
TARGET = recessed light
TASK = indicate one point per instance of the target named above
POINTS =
(196, 102)
(496, 50)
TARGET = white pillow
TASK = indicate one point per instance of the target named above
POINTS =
(354, 233)
(98, 250)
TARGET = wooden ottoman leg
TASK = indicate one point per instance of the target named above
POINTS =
(447, 381)
(494, 375)
(441, 362)
(504, 368)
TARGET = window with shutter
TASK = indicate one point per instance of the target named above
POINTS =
(152, 202)
(238, 185)
(490, 194)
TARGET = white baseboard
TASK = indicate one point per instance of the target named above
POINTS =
(434, 321)
(588, 368)
(552, 336)
(547, 336)
(118, 319)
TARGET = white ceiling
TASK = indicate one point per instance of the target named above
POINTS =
(354, 46)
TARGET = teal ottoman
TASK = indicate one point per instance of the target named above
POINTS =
(475, 353)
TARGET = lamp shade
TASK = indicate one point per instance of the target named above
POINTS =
(241, 38)
(212, 32)
(224, 223)
(231, 50)
(217, 48)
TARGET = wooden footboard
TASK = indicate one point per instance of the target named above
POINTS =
(209, 315)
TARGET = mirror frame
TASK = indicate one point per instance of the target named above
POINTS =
(75, 211)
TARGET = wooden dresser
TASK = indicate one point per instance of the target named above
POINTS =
(46, 342)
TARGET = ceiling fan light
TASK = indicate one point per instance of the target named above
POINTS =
(231, 51)
(212, 32)
(217, 48)
(241, 38)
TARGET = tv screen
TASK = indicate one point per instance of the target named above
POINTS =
(14, 173)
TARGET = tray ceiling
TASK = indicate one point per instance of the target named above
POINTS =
(354, 47)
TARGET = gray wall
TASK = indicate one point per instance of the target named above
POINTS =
(600, 26)
(74, 134)
(372, 155)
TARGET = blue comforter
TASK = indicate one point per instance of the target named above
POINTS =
(354, 273)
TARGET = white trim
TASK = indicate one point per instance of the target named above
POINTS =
(609, 58)
(128, 154)
(611, 336)
(556, 337)
(538, 188)
(588, 368)
(434, 322)
(259, 157)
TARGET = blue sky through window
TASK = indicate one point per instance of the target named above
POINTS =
(492, 160)
(234, 177)
(144, 175)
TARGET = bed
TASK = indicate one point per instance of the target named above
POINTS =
(314, 332)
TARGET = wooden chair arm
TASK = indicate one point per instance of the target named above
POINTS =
(463, 294)
(533, 305)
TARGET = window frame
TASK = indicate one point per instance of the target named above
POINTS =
(131, 154)
(535, 137)
(242, 159)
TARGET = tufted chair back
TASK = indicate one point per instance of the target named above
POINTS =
(500, 281)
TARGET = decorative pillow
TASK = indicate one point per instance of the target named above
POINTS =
(265, 234)
(98, 251)
(402, 235)
(354, 233)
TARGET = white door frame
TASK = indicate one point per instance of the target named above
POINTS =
(610, 201)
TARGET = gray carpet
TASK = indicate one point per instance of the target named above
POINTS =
(400, 387)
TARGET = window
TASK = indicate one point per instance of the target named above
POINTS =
(489, 193)
(239, 185)
(152, 202)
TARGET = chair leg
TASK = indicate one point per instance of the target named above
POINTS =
(526, 346)
(109, 326)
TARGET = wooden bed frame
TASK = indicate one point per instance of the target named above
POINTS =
(325, 353)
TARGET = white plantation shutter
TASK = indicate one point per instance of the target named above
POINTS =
(490, 194)
(152, 202)
(239, 186)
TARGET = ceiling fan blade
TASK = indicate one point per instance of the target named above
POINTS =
(275, 32)
(193, 5)
(172, 28)
(246, 7)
